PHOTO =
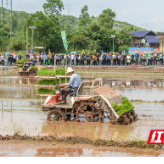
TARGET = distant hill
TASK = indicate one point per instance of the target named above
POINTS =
(73, 22)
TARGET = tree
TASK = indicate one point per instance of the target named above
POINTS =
(106, 18)
(84, 20)
(47, 33)
(122, 48)
(124, 38)
(131, 28)
(78, 41)
(53, 7)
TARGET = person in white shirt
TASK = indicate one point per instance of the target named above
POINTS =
(72, 58)
(128, 60)
(14, 58)
(2, 59)
(114, 59)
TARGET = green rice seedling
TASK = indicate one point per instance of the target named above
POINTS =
(125, 107)
(45, 91)
(60, 71)
(45, 73)
(32, 67)
(48, 82)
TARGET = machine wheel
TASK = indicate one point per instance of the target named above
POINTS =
(90, 110)
(55, 115)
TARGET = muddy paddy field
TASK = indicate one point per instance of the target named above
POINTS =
(21, 115)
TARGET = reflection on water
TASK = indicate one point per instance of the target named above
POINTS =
(91, 152)
(142, 94)
(18, 91)
(112, 83)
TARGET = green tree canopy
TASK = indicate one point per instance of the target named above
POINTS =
(106, 18)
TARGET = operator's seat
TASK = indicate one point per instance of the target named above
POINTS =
(79, 91)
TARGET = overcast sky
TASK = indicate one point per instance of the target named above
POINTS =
(134, 12)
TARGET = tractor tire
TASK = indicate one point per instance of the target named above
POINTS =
(55, 115)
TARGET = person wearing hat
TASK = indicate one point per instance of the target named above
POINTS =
(72, 86)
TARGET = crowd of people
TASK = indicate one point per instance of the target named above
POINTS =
(102, 59)
(107, 59)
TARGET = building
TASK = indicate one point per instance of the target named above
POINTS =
(161, 46)
(144, 39)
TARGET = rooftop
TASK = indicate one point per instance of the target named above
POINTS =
(141, 33)
(152, 39)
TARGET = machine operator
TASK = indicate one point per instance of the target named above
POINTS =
(72, 86)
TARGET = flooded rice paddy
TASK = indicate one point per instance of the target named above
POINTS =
(20, 113)
(10, 149)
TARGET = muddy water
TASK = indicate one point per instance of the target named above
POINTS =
(27, 149)
(26, 117)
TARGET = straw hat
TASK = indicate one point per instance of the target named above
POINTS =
(69, 70)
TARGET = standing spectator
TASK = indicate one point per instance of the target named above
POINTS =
(65, 58)
(57, 59)
(53, 58)
(123, 59)
(128, 60)
(114, 59)
(118, 59)
(2, 59)
(141, 58)
(108, 59)
(155, 59)
(42, 57)
(76, 58)
(46, 59)
(60, 58)
(144, 59)
(10, 59)
(150, 59)
(82, 59)
(161, 58)
(72, 58)
(20, 56)
(14, 58)
(94, 60)
(136, 58)
(98, 56)
(50, 59)
(88, 58)
(132, 59)
(103, 59)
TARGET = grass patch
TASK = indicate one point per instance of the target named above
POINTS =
(45, 91)
(19, 66)
(125, 107)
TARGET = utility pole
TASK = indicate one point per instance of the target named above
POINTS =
(69, 8)
(11, 21)
(2, 13)
(27, 39)
(113, 36)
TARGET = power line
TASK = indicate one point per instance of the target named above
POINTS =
(69, 7)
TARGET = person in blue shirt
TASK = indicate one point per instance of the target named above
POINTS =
(46, 59)
(136, 58)
(60, 59)
(108, 59)
(70, 87)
